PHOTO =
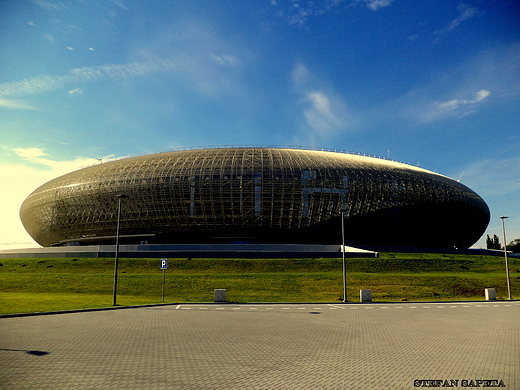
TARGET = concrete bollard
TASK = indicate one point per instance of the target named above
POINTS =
(491, 294)
(220, 294)
(365, 295)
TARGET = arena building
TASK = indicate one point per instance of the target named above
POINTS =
(256, 195)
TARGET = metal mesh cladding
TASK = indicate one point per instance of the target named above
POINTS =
(270, 195)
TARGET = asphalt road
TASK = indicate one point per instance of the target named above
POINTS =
(268, 346)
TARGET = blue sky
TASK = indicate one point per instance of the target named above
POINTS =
(435, 83)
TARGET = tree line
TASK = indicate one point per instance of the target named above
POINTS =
(494, 243)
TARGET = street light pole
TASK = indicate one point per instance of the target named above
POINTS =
(116, 261)
(505, 256)
(343, 255)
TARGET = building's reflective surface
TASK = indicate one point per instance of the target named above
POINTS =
(263, 195)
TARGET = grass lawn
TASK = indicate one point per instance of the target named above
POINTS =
(33, 285)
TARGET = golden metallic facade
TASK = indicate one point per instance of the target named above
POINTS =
(256, 194)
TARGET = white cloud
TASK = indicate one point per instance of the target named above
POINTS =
(319, 115)
(300, 75)
(453, 104)
(460, 107)
(120, 5)
(50, 4)
(494, 176)
(299, 13)
(18, 181)
(48, 83)
(14, 105)
(465, 12)
(49, 37)
(324, 111)
(76, 91)
(376, 4)
(226, 60)
(204, 62)
(29, 153)
(481, 95)
(486, 78)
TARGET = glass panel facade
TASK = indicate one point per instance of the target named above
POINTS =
(263, 195)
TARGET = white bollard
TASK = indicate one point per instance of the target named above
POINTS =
(491, 294)
(365, 295)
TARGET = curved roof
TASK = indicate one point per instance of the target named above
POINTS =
(259, 194)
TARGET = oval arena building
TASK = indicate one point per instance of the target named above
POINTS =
(275, 195)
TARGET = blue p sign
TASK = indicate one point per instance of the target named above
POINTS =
(164, 263)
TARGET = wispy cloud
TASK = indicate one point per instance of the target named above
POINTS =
(40, 160)
(454, 104)
(226, 60)
(494, 176)
(460, 107)
(324, 111)
(208, 61)
(14, 105)
(47, 83)
(298, 13)
(301, 76)
(374, 5)
(29, 153)
(485, 79)
(207, 71)
(319, 114)
(465, 12)
(49, 37)
(120, 4)
(50, 4)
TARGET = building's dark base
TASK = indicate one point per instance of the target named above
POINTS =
(374, 229)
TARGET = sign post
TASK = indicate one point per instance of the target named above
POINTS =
(164, 265)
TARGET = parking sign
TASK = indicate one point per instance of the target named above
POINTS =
(164, 263)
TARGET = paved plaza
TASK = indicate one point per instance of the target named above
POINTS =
(266, 346)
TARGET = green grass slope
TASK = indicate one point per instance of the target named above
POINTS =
(33, 285)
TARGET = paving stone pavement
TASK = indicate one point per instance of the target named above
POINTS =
(268, 346)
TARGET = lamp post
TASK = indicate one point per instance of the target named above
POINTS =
(116, 261)
(505, 256)
(343, 255)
